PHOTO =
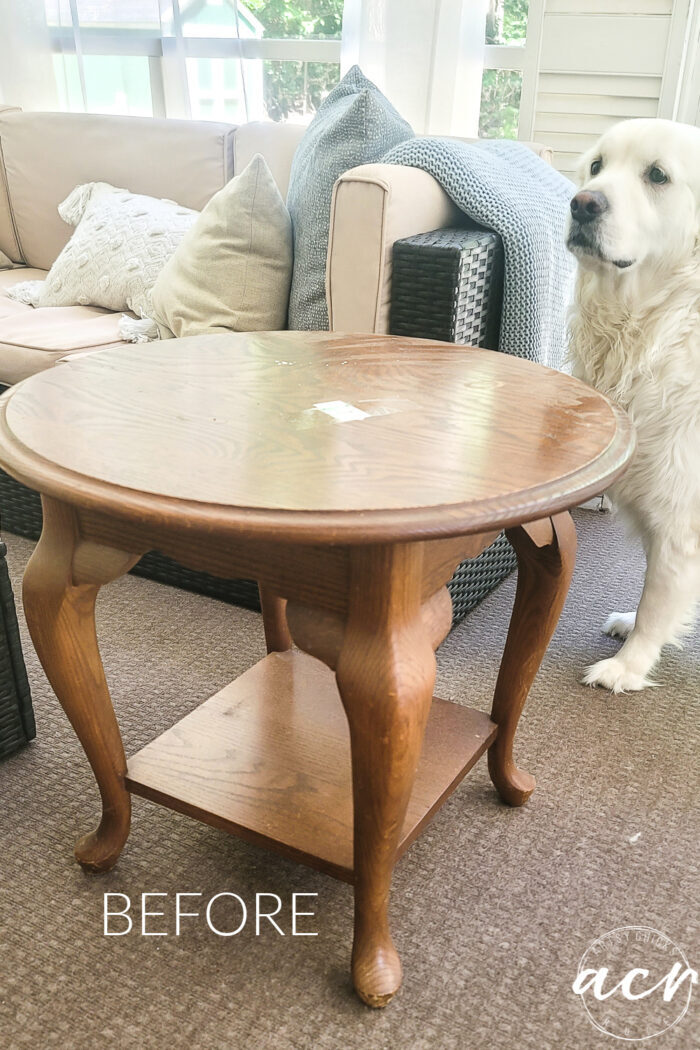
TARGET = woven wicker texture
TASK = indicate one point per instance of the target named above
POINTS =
(505, 187)
(474, 579)
(16, 714)
(448, 284)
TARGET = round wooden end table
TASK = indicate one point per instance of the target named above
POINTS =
(349, 475)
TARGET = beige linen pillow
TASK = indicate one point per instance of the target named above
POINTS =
(233, 268)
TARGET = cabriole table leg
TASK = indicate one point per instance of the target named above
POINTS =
(386, 675)
(546, 553)
(60, 586)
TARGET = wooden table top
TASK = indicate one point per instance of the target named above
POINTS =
(316, 436)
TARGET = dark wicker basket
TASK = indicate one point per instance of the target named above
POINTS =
(448, 284)
(16, 715)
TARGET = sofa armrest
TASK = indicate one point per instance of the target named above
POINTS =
(372, 207)
(545, 153)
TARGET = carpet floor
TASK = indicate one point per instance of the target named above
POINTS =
(492, 907)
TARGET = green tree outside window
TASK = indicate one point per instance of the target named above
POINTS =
(298, 88)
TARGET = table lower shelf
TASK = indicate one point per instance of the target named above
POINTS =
(268, 759)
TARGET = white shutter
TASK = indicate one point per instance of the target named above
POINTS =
(601, 61)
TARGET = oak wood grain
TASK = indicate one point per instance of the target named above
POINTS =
(274, 614)
(268, 757)
(323, 436)
(386, 675)
(59, 590)
(546, 554)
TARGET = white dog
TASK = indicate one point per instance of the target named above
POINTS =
(635, 230)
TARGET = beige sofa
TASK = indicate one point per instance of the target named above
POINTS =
(43, 156)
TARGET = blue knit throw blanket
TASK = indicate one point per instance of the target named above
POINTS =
(507, 188)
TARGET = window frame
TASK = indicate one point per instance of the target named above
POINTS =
(525, 59)
(167, 54)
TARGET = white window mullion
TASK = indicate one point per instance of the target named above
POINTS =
(173, 63)
(504, 56)
(680, 86)
(531, 70)
(689, 102)
(155, 76)
(454, 90)
(75, 22)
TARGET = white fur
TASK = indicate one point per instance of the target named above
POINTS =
(636, 337)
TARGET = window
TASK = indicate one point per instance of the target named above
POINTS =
(240, 60)
(506, 22)
(509, 84)
(500, 103)
(231, 60)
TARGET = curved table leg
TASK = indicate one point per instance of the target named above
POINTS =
(60, 586)
(386, 675)
(546, 553)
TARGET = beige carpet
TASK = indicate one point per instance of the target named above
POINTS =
(492, 907)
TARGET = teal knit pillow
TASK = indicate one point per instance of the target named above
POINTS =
(354, 125)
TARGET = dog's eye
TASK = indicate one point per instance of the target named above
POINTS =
(657, 175)
(596, 166)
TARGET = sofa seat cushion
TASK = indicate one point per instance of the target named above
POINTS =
(33, 339)
(9, 306)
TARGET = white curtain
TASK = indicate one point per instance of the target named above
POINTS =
(426, 55)
(26, 63)
(54, 56)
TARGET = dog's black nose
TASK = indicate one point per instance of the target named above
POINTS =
(588, 205)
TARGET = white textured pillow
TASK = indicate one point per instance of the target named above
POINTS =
(233, 268)
(121, 242)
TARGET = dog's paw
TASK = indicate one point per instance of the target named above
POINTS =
(619, 625)
(613, 674)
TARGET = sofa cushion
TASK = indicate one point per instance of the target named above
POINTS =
(32, 340)
(232, 269)
(374, 206)
(8, 237)
(354, 125)
(46, 155)
(7, 279)
(277, 144)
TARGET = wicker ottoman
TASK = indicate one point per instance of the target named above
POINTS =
(448, 284)
(16, 715)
